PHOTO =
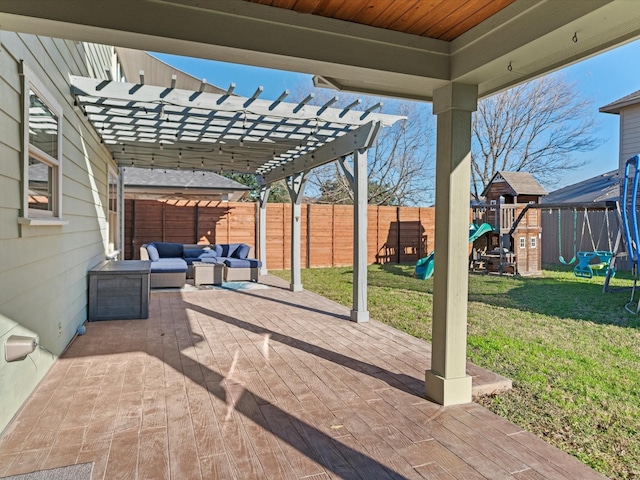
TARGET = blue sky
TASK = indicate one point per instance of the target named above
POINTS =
(601, 79)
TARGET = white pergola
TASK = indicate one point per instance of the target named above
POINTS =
(159, 127)
(518, 41)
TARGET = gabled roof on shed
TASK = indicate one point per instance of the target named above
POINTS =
(520, 183)
(626, 101)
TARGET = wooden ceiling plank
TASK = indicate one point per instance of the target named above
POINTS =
(447, 10)
(351, 9)
(372, 11)
(417, 19)
(485, 11)
(308, 6)
(263, 2)
(393, 10)
(288, 4)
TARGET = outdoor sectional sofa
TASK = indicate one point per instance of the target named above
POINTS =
(171, 263)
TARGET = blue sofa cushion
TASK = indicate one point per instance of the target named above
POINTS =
(211, 260)
(169, 250)
(152, 251)
(169, 265)
(242, 251)
(203, 260)
(228, 249)
(242, 263)
(195, 252)
(217, 249)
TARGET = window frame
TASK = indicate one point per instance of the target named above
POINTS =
(523, 242)
(32, 216)
(533, 242)
(116, 234)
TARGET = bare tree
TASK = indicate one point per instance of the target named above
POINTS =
(398, 163)
(535, 128)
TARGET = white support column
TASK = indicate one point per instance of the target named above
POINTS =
(359, 181)
(262, 227)
(447, 382)
(295, 185)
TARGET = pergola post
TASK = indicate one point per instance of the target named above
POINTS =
(359, 181)
(447, 382)
(295, 185)
(262, 227)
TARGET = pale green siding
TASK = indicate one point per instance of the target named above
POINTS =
(629, 132)
(43, 269)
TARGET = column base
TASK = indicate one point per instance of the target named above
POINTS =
(295, 287)
(360, 316)
(447, 391)
(263, 271)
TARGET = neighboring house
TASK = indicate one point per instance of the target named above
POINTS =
(157, 184)
(628, 108)
(600, 188)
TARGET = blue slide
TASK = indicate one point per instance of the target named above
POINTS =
(424, 266)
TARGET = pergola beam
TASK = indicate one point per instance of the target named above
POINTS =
(359, 139)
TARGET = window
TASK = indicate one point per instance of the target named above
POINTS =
(42, 172)
(523, 242)
(533, 241)
(113, 217)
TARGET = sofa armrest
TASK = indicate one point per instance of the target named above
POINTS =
(144, 255)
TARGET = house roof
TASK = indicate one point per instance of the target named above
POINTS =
(521, 183)
(157, 72)
(596, 189)
(148, 183)
(627, 100)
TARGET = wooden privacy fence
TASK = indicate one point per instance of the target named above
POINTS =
(395, 234)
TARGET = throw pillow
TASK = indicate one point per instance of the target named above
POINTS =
(152, 251)
(242, 251)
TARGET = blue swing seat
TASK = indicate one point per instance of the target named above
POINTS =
(585, 268)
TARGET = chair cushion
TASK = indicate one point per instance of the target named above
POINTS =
(196, 252)
(152, 251)
(169, 250)
(209, 260)
(169, 265)
(228, 249)
(242, 263)
(242, 251)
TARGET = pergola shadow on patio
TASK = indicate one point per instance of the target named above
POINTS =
(262, 383)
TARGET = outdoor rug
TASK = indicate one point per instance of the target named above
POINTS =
(82, 471)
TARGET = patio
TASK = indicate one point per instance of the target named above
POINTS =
(262, 383)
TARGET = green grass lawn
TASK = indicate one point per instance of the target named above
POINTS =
(572, 352)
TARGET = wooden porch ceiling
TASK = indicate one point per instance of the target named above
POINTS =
(440, 19)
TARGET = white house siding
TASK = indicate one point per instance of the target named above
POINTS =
(629, 132)
(43, 269)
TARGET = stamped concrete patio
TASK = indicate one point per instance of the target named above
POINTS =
(262, 383)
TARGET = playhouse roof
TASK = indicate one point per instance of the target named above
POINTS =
(520, 183)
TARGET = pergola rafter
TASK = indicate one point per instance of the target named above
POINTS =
(158, 127)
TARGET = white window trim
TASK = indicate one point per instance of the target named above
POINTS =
(533, 242)
(111, 171)
(30, 81)
(523, 242)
